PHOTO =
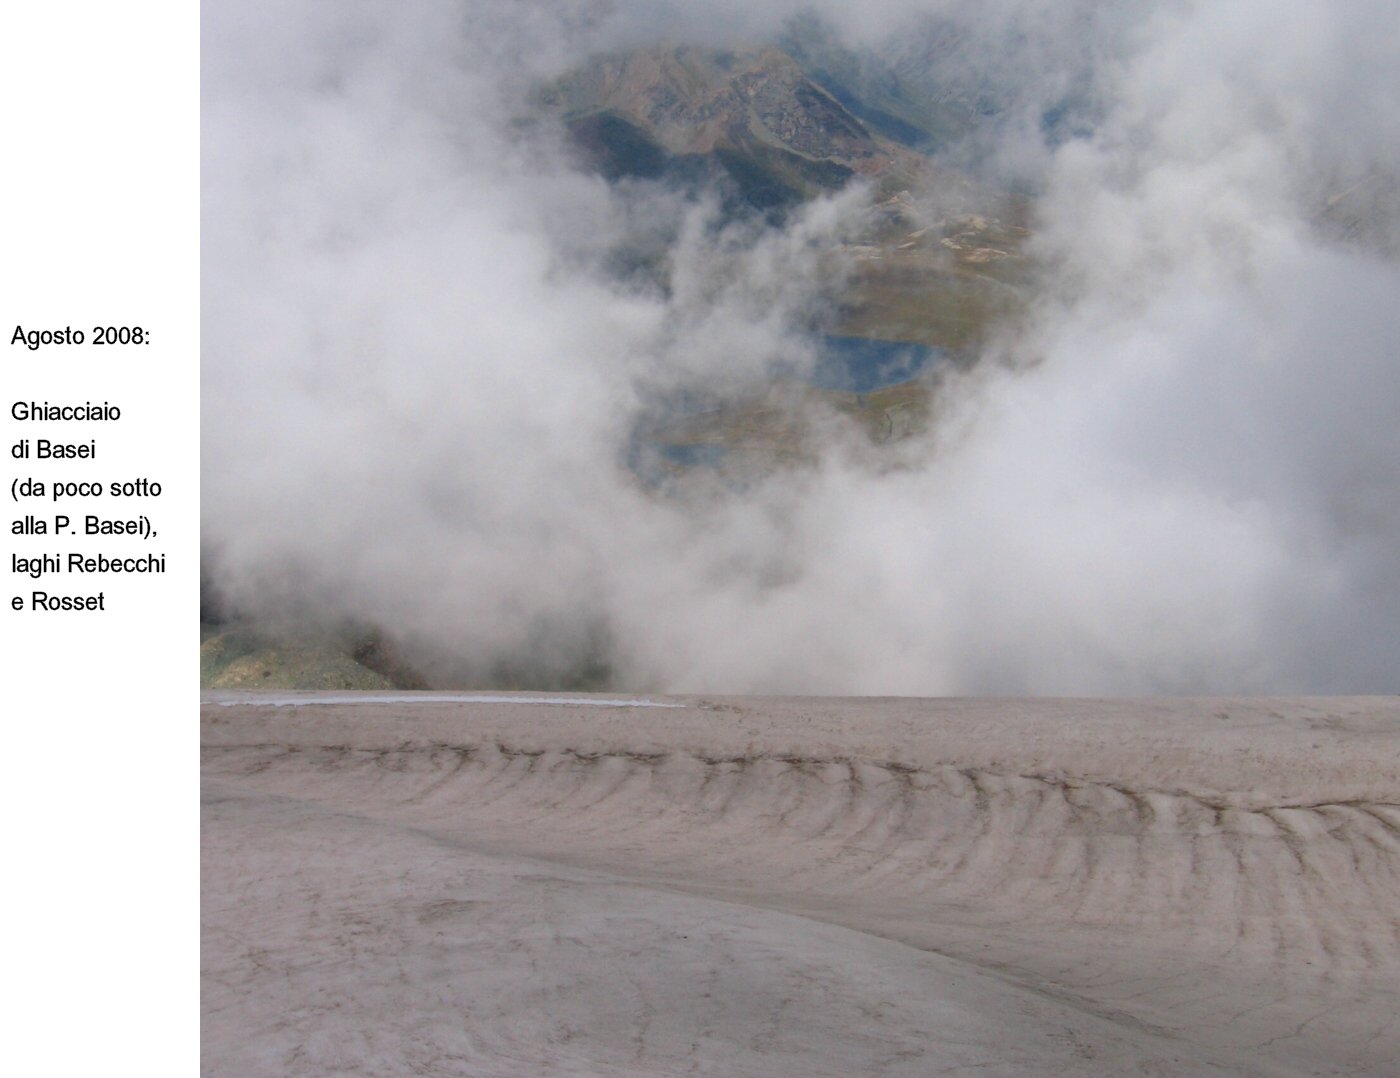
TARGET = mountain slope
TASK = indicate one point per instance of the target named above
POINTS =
(750, 117)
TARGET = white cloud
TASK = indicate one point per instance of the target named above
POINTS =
(418, 390)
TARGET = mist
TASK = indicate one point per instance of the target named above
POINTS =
(1178, 472)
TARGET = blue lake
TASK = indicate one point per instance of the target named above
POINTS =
(694, 455)
(862, 364)
(845, 364)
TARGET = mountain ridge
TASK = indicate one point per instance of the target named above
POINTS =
(751, 116)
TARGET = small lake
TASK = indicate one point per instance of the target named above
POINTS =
(863, 364)
(857, 365)
(693, 455)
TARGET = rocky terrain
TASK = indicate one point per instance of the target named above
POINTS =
(752, 117)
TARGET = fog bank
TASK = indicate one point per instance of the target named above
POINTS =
(1181, 475)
